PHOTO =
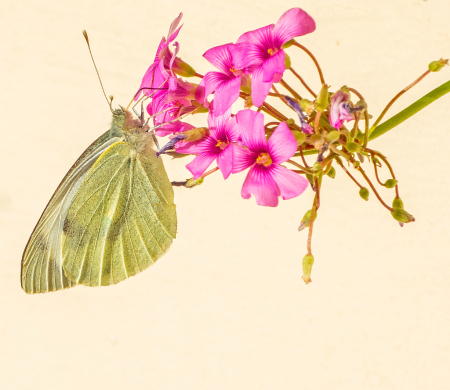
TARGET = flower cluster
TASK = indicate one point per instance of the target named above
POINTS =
(253, 69)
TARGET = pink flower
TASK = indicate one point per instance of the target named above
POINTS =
(266, 179)
(217, 146)
(339, 111)
(230, 60)
(266, 49)
(157, 73)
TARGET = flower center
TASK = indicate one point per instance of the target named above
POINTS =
(174, 108)
(264, 159)
(221, 144)
(236, 72)
(272, 51)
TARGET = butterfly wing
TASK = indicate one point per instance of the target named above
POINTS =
(42, 261)
(122, 218)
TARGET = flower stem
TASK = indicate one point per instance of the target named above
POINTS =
(313, 214)
(384, 159)
(209, 172)
(290, 89)
(306, 170)
(303, 82)
(295, 43)
(198, 75)
(396, 97)
(338, 160)
(303, 156)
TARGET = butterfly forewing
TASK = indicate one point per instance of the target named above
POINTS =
(122, 218)
(42, 261)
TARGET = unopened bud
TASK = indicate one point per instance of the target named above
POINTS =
(287, 61)
(333, 136)
(299, 136)
(353, 147)
(191, 183)
(195, 134)
(182, 68)
(364, 193)
(323, 99)
(332, 172)
(306, 220)
(402, 216)
(397, 203)
(436, 66)
(391, 183)
(308, 262)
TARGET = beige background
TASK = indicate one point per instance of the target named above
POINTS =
(226, 307)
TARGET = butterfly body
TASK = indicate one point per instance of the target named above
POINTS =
(112, 216)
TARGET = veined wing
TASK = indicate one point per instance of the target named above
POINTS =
(42, 262)
(122, 218)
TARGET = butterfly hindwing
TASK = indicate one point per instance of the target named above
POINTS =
(122, 218)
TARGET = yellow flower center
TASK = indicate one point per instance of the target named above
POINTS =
(264, 159)
(272, 51)
(221, 144)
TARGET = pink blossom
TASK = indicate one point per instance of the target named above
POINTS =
(266, 179)
(157, 73)
(231, 61)
(266, 50)
(217, 146)
(339, 109)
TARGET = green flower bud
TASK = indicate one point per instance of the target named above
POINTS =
(333, 136)
(182, 68)
(287, 61)
(317, 167)
(323, 98)
(195, 134)
(436, 66)
(299, 136)
(352, 147)
(332, 172)
(308, 262)
(191, 183)
(360, 136)
(391, 183)
(288, 44)
(397, 203)
(364, 193)
(402, 216)
(306, 220)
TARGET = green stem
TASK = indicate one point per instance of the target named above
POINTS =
(414, 108)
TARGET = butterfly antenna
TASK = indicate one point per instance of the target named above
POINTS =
(99, 79)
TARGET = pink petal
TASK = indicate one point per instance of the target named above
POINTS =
(232, 130)
(293, 23)
(227, 92)
(245, 56)
(212, 80)
(217, 123)
(200, 164)
(172, 33)
(261, 36)
(242, 158)
(251, 127)
(274, 66)
(220, 57)
(200, 92)
(261, 184)
(290, 184)
(260, 89)
(225, 161)
(205, 145)
(282, 144)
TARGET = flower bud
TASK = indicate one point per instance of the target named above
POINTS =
(323, 99)
(397, 203)
(364, 193)
(353, 147)
(182, 68)
(333, 136)
(436, 66)
(402, 216)
(306, 220)
(299, 136)
(332, 172)
(391, 183)
(191, 183)
(287, 61)
(308, 262)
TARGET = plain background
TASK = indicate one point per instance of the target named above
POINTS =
(226, 307)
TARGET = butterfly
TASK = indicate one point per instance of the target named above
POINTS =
(112, 216)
